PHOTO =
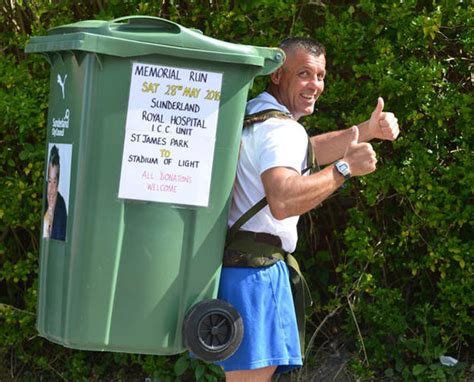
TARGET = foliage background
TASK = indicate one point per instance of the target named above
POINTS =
(389, 259)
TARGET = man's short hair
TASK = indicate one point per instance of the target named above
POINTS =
(307, 44)
(54, 158)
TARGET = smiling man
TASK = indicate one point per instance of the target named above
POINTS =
(275, 149)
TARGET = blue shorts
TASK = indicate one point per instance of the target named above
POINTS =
(264, 300)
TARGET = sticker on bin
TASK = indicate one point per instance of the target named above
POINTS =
(170, 135)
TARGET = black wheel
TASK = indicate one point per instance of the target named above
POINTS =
(213, 330)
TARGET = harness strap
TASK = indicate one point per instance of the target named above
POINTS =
(232, 231)
(263, 115)
(301, 297)
(310, 161)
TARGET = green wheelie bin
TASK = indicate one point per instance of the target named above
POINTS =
(144, 127)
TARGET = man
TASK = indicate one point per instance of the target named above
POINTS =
(272, 156)
(55, 217)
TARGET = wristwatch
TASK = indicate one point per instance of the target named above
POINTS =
(343, 169)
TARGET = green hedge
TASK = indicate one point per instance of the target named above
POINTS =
(389, 259)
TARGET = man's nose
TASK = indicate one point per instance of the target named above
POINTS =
(316, 83)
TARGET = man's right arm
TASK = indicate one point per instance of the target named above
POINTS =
(291, 194)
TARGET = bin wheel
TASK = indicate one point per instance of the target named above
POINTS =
(213, 330)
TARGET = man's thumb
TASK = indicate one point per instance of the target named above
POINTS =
(379, 108)
(354, 136)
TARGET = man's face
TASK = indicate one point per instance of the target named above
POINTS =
(52, 185)
(299, 82)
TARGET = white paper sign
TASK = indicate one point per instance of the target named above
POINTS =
(170, 135)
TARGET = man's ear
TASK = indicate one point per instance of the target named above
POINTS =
(276, 76)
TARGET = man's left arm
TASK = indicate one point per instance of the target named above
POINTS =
(331, 146)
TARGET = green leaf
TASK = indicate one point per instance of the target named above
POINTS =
(418, 369)
(199, 371)
(389, 373)
(181, 365)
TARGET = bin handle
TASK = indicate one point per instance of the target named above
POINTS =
(143, 22)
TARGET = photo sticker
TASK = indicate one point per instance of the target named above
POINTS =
(58, 178)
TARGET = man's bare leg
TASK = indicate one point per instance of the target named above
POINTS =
(263, 374)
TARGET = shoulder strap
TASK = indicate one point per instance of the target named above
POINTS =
(263, 115)
(312, 167)
(251, 212)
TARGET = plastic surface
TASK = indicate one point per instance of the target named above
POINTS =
(128, 270)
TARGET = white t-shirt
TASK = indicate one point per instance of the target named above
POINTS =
(272, 143)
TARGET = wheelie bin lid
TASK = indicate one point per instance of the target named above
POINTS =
(144, 35)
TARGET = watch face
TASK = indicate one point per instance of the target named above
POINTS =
(343, 167)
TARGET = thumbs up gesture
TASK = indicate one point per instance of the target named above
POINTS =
(383, 125)
(360, 157)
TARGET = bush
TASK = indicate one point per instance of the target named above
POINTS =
(389, 258)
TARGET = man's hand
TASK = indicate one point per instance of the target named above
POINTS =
(360, 157)
(383, 125)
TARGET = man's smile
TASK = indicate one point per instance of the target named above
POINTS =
(309, 97)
